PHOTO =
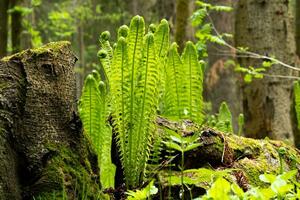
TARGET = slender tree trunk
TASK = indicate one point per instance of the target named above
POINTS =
(16, 26)
(266, 28)
(182, 15)
(4, 4)
(221, 82)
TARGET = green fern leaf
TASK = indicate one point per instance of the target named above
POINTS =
(173, 84)
(106, 52)
(120, 84)
(297, 101)
(161, 38)
(193, 84)
(135, 44)
(224, 119)
(92, 110)
(147, 101)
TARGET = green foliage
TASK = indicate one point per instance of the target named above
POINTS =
(205, 30)
(184, 84)
(297, 102)
(93, 113)
(134, 90)
(144, 193)
(223, 120)
(283, 186)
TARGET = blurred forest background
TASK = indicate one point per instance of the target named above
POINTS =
(267, 28)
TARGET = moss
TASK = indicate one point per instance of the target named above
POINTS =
(66, 173)
(53, 47)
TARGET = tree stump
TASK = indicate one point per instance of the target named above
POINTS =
(42, 147)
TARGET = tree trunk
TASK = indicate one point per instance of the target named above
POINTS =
(3, 27)
(266, 28)
(42, 146)
(221, 82)
(16, 26)
(181, 24)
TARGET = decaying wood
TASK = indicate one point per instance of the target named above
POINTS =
(42, 147)
(247, 157)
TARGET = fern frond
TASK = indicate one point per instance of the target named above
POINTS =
(161, 38)
(120, 85)
(123, 31)
(92, 110)
(224, 119)
(106, 52)
(135, 44)
(297, 102)
(173, 84)
(193, 84)
(147, 101)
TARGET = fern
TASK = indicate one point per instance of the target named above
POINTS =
(193, 84)
(92, 110)
(224, 119)
(297, 102)
(173, 87)
(134, 96)
(105, 54)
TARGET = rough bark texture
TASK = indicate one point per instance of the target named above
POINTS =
(43, 149)
(221, 82)
(3, 27)
(245, 158)
(266, 28)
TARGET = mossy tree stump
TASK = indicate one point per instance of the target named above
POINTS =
(42, 146)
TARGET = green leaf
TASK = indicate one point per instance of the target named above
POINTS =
(219, 190)
(174, 146)
(267, 178)
(248, 78)
(192, 101)
(192, 146)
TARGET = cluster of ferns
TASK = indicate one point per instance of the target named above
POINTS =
(141, 75)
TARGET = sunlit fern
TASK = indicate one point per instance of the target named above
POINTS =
(93, 113)
(184, 84)
(297, 102)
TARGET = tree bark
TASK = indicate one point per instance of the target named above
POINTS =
(3, 27)
(181, 24)
(221, 82)
(42, 146)
(16, 26)
(267, 29)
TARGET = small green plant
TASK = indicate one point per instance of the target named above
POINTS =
(144, 193)
(182, 144)
(282, 186)
(223, 120)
